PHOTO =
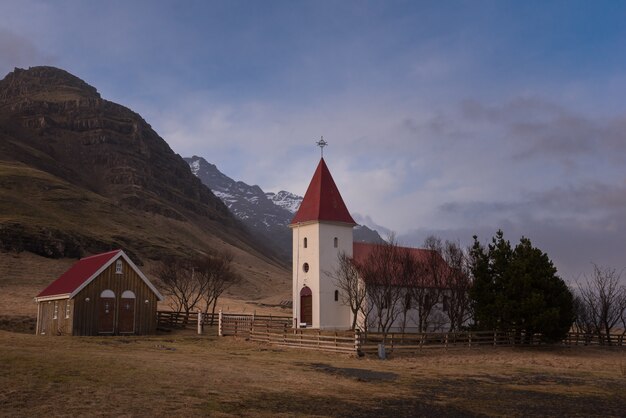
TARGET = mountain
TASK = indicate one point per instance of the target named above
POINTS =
(248, 203)
(285, 200)
(80, 174)
(266, 214)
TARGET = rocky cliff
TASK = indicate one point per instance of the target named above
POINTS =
(79, 174)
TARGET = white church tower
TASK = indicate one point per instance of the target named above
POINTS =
(322, 228)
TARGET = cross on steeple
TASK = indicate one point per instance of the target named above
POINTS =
(321, 143)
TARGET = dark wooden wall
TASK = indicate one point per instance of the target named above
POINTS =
(48, 325)
(85, 312)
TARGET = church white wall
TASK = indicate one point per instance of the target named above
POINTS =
(333, 314)
(309, 255)
(438, 320)
(321, 256)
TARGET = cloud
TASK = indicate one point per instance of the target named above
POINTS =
(575, 225)
(541, 128)
(18, 51)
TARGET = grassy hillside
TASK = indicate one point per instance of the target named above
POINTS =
(81, 175)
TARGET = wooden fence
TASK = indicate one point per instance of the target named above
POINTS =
(278, 330)
(169, 319)
(580, 338)
(285, 336)
(407, 342)
(242, 325)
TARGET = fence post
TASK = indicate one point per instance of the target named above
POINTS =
(494, 338)
(200, 322)
(219, 324)
(446, 341)
(357, 341)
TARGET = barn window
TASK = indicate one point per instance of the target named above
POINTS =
(118, 267)
(305, 243)
(56, 310)
(305, 267)
(108, 293)
(128, 294)
(336, 242)
(336, 295)
(67, 309)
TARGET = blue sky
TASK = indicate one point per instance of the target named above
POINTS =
(454, 118)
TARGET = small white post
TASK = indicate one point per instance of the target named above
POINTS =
(200, 322)
(357, 341)
(219, 324)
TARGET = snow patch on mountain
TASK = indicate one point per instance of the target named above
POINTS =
(285, 200)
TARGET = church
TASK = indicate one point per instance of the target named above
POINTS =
(322, 230)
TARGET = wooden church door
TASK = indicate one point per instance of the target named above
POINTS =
(306, 306)
(106, 312)
(126, 317)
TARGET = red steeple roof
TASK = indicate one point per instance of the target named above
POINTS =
(322, 200)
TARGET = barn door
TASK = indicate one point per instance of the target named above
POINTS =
(106, 312)
(306, 306)
(126, 318)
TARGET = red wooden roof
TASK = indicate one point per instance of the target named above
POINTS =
(80, 272)
(362, 251)
(322, 200)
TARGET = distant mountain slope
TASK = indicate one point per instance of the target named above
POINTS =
(266, 214)
(81, 174)
(249, 204)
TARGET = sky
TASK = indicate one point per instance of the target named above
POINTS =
(453, 118)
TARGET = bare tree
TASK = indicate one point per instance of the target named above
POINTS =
(457, 282)
(428, 281)
(381, 275)
(604, 301)
(351, 288)
(583, 318)
(215, 275)
(408, 268)
(178, 280)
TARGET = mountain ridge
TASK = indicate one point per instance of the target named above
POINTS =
(265, 213)
(80, 175)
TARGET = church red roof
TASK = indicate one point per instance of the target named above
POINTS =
(362, 252)
(80, 272)
(322, 200)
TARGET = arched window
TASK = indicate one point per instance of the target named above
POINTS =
(336, 242)
(118, 267)
(336, 295)
(305, 243)
(128, 294)
(108, 293)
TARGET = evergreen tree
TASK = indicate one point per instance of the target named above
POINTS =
(517, 289)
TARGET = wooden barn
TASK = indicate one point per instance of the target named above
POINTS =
(105, 294)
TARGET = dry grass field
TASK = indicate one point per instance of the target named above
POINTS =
(186, 375)
(181, 374)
